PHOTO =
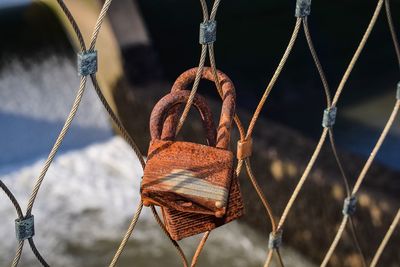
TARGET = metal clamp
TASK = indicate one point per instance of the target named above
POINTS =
(87, 63)
(349, 206)
(329, 117)
(398, 91)
(244, 149)
(25, 228)
(208, 32)
(275, 240)
(303, 8)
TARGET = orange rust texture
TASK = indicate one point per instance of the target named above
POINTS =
(185, 214)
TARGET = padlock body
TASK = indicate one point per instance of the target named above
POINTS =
(184, 224)
(187, 177)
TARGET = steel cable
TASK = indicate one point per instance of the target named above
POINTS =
(386, 129)
(331, 134)
(385, 240)
(120, 126)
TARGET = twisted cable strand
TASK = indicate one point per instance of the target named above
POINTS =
(358, 52)
(73, 23)
(18, 254)
(57, 145)
(127, 235)
(113, 116)
(117, 121)
(378, 145)
(261, 195)
(331, 135)
(335, 241)
(279, 257)
(250, 129)
(385, 240)
(392, 30)
(303, 178)
(200, 248)
(356, 240)
(384, 132)
(199, 72)
(274, 78)
(360, 180)
(73, 112)
(242, 134)
(12, 198)
(396, 219)
(317, 62)
(178, 248)
(36, 252)
(20, 215)
(204, 49)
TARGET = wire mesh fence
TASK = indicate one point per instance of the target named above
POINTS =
(87, 68)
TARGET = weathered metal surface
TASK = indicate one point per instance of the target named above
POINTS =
(25, 228)
(167, 107)
(208, 32)
(278, 160)
(303, 8)
(349, 206)
(329, 117)
(244, 149)
(275, 240)
(87, 63)
(184, 81)
(175, 171)
(195, 184)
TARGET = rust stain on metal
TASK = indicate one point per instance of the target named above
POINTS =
(194, 184)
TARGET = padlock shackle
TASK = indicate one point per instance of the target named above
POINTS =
(184, 81)
(163, 119)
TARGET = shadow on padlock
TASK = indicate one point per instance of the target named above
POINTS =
(195, 184)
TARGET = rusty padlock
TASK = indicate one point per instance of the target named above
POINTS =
(186, 214)
(185, 176)
(183, 224)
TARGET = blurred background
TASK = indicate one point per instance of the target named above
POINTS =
(92, 189)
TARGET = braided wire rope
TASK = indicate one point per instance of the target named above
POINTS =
(396, 219)
(385, 240)
(383, 134)
(58, 142)
(328, 131)
(246, 162)
(331, 134)
(124, 134)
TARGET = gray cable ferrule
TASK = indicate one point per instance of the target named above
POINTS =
(349, 206)
(208, 32)
(87, 63)
(398, 91)
(25, 228)
(329, 117)
(303, 8)
(275, 240)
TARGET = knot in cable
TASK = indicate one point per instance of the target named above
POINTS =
(87, 63)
